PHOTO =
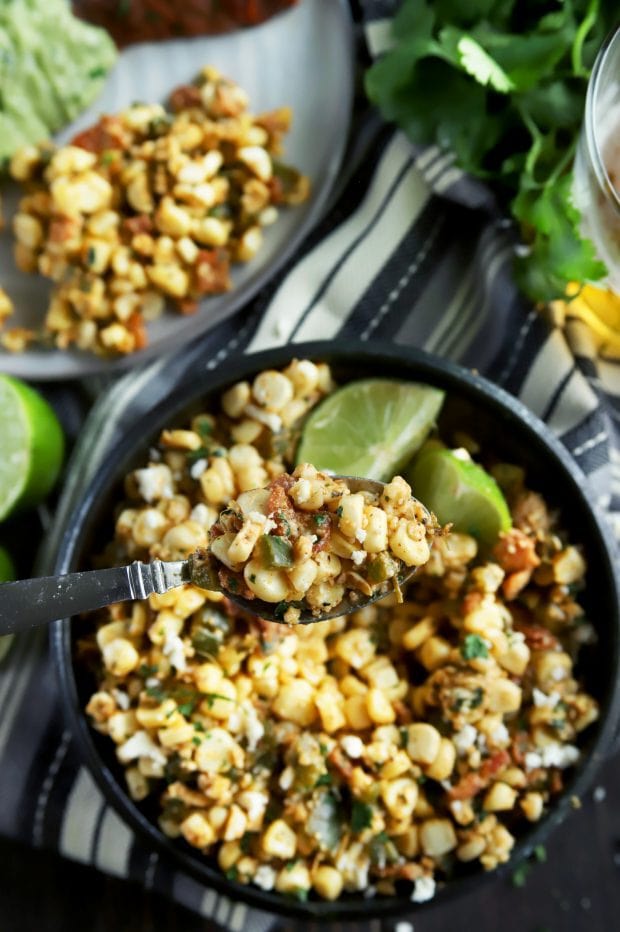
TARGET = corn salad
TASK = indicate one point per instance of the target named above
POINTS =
(306, 542)
(371, 753)
(148, 206)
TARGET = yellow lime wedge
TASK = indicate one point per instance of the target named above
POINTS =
(369, 428)
(460, 491)
(31, 446)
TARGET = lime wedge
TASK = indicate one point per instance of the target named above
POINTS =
(460, 491)
(369, 428)
(31, 446)
(7, 567)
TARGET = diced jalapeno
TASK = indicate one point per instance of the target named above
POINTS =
(276, 551)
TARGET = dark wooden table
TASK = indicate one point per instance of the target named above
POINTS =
(577, 889)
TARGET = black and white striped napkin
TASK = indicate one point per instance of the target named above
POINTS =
(412, 252)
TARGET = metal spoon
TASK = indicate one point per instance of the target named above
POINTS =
(30, 602)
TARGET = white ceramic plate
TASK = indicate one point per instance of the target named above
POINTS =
(302, 58)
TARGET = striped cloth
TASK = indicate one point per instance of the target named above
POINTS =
(412, 252)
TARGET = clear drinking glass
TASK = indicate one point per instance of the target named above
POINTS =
(597, 163)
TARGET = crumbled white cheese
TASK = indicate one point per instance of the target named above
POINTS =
(456, 806)
(154, 482)
(265, 877)
(360, 535)
(423, 889)
(445, 785)
(288, 646)
(257, 517)
(358, 556)
(500, 735)
(352, 745)
(559, 755)
(254, 728)
(461, 454)
(234, 722)
(552, 755)
(270, 420)
(200, 514)
(152, 682)
(542, 700)
(465, 739)
(174, 649)
(533, 760)
(558, 673)
(121, 698)
(269, 526)
(198, 468)
(254, 804)
(286, 778)
(140, 745)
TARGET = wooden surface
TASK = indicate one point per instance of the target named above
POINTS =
(576, 890)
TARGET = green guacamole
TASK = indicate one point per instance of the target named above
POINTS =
(52, 66)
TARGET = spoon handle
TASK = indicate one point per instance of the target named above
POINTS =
(31, 602)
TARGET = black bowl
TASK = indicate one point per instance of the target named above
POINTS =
(504, 426)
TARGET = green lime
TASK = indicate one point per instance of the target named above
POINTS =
(369, 428)
(460, 491)
(7, 567)
(31, 446)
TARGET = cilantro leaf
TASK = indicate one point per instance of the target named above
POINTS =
(361, 816)
(473, 647)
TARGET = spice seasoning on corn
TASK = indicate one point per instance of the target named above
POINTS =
(148, 206)
(307, 542)
(359, 753)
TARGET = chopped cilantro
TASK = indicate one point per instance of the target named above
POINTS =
(301, 893)
(197, 741)
(520, 874)
(280, 610)
(502, 86)
(186, 708)
(324, 780)
(540, 853)
(156, 692)
(339, 511)
(361, 815)
(473, 647)
(211, 697)
(232, 873)
(145, 670)
(98, 72)
(321, 520)
(289, 867)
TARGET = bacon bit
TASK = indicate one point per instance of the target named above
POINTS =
(212, 272)
(518, 747)
(216, 530)
(403, 712)
(467, 787)
(108, 133)
(556, 781)
(537, 637)
(136, 225)
(64, 228)
(278, 500)
(340, 763)
(410, 871)
(187, 95)
(324, 534)
(135, 325)
(187, 306)
(515, 551)
(514, 583)
(499, 761)
(238, 587)
(471, 601)
(276, 189)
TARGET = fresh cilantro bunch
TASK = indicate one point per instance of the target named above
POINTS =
(502, 83)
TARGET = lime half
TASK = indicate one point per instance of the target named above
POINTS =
(369, 428)
(31, 446)
(462, 492)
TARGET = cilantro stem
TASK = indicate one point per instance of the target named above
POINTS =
(580, 37)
